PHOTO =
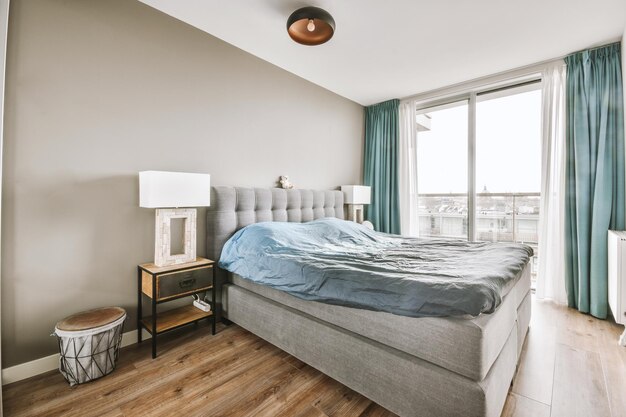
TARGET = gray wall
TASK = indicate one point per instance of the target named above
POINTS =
(99, 90)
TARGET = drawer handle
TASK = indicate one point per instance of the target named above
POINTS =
(186, 283)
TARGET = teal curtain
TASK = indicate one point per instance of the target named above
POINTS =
(594, 197)
(380, 166)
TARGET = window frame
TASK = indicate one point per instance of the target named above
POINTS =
(472, 97)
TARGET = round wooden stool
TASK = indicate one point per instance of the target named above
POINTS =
(90, 319)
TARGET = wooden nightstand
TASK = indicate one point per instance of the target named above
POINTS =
(167, 283)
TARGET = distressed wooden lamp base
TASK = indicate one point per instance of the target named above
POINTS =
(162, 246)
(355, 213)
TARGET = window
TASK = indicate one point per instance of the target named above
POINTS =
(479, 166)
(442, 170)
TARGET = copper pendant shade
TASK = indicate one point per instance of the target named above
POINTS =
(311, 26)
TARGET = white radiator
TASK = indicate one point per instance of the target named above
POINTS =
(617, 278)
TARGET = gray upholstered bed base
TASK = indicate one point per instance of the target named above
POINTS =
(401, 382)
(466, 346)
(396, 380)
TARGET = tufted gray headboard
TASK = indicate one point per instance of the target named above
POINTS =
(233, 208)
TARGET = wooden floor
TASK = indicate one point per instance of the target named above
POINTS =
(571, 366)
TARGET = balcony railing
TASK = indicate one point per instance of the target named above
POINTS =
(500, 217)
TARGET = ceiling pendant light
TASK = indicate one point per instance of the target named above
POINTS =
(311, 26)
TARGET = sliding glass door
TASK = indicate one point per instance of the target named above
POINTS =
(442, 170)
(508, 165)
(479, 166)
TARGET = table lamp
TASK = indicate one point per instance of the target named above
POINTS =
(174, 196)
(355, 197)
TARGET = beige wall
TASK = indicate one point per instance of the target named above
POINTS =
(99, 90)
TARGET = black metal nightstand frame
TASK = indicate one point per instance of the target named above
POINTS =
(152, 328)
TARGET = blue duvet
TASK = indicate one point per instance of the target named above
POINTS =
(341, 262)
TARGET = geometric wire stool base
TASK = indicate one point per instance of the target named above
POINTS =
(85, 358)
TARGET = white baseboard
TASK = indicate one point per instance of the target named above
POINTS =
(49, 363)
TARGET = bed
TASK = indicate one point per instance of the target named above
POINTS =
(428, 366)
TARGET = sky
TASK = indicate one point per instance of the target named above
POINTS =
(508, 146)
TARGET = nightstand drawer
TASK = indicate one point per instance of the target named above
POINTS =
(180, 283)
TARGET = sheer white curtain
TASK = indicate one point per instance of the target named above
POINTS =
(551, 273)
(407, 169)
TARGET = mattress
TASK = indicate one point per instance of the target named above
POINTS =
(465, 345)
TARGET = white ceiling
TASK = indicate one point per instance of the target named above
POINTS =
(397, 48)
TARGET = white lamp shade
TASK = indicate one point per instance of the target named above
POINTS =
(162, 189)
(357, 194)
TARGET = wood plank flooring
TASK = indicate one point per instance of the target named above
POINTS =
(571, 365)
